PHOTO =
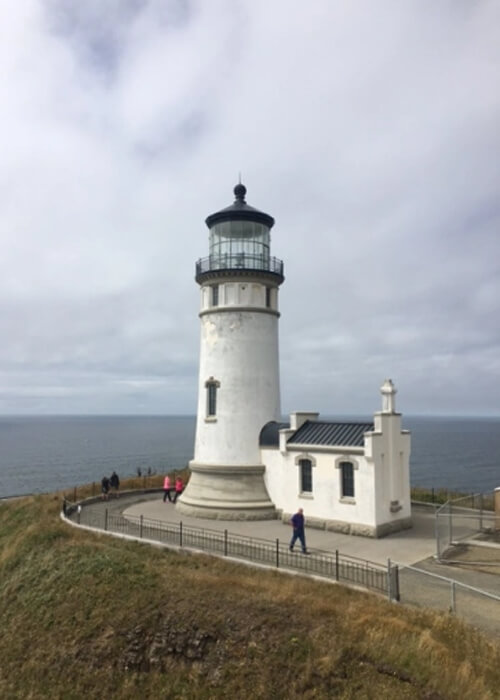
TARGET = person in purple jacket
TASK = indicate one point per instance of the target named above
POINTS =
(297, 522)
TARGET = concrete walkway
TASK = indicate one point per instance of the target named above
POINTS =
(407, 547)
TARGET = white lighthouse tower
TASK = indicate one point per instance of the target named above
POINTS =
(238, 390)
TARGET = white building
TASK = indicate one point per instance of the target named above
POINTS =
(349, 477)
(352, 477)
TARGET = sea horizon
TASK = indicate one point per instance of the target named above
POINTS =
(42, 453)
(457, 416)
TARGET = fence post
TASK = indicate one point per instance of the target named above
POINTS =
(453, 597)
(397, 595)
(141, 521)
(180, 533)
(450, 523)
(437, 515)
(225, 543)
(480, 512)
(106, 519)
(336, 564)
(277, 553)
(389, 582)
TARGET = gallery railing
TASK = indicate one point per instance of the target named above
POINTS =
(239, 261)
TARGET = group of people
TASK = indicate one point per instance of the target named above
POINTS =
(108, 484)
(171, 492)
(171, 489)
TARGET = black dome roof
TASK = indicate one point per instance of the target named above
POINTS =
(239, 211)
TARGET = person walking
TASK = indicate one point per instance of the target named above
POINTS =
(114, 482)
(179, 488)
(297, 522)
(105, 488)
(167, 485)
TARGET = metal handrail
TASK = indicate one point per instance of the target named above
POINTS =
(239, 261)
(332, 565)
(460, 584)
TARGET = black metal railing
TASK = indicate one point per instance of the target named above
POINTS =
(275, 553)
(239, 261)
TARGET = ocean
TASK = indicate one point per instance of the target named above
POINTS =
(44, 454)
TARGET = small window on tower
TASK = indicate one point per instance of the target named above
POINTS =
(268, 297)
(212, 385)
(215, 295)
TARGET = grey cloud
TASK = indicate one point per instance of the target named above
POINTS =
(369, 133)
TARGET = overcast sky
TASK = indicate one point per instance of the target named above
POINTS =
(369, 130)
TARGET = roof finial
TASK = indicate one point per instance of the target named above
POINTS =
(240, 191)
(388, 391)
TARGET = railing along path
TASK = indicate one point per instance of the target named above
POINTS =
(272, 553)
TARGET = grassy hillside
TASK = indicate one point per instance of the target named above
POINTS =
(90, 616)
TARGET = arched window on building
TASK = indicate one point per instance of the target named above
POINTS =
(306, 484)
(347, 479)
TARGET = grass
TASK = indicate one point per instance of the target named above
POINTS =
(441, 496)
(86, 615)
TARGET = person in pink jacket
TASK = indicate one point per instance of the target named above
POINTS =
(167, 486)
(179, 488)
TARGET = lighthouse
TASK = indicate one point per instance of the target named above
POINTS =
(238, 389)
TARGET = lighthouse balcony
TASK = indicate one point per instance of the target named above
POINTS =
(239, 264)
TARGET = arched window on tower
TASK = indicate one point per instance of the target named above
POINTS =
(212, 385)
(268, 297)
(215, 295)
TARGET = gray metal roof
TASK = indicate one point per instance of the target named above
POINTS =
(269, 435)
(327, 433)
(239, 211)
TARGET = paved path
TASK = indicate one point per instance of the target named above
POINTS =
(405, 547)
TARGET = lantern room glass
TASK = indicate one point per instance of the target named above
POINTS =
(240, 244)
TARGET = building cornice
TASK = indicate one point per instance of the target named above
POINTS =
(234, 274)
(335, 449)
(237, 309)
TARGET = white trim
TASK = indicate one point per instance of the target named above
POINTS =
(339, 461)
(334, 449)
(305, 456)
(236, 309)
(312, 462)
(338, 465)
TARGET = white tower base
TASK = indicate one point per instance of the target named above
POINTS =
(227, 492)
